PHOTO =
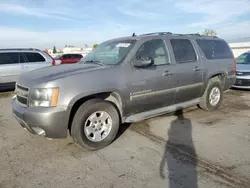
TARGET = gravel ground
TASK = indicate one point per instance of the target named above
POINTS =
(198, 149)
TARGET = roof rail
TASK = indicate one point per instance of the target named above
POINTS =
(199, 35)
(157, 33)
(195, 34)
(9, 49)
(169, 33)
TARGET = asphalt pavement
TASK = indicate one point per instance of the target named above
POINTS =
(191, 150)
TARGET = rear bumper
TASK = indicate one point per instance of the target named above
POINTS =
(229, 82)
(48, 122)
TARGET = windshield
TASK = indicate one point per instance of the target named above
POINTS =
(243, 59)
(110, 52)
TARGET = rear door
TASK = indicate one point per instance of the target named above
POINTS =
(34, 60)
(76, 58)
(10, 67)
(66, 59)
(189, 69)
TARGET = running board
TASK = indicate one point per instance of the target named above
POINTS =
(160, 111)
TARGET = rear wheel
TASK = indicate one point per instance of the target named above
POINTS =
(213, 95)
(95, 124)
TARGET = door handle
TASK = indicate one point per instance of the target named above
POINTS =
(196, 68)
(167, 73)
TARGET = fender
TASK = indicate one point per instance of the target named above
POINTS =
(214, 74)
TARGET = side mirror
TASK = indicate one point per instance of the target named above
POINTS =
(143, 62)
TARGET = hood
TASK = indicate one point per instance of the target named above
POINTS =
(55, 72)
(243, 67)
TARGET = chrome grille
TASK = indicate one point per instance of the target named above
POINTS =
(242, 82)
(22, 95)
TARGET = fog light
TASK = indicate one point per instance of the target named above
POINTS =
(39, 131)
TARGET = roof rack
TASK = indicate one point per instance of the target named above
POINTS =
(157, 33)
(34, 49)
(169, 33)
(198, 34)
(195, 34)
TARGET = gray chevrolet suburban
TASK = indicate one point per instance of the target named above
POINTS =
(124, 80)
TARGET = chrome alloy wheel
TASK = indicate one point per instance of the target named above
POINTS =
(214, 96)
(98, 126)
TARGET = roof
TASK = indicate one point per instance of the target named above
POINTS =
(147, 35)
(20, 49)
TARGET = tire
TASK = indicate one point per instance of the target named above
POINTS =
(82, 122)
(205, 103)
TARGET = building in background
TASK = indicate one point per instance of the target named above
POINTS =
(239, 48)
(71, 49)
(50, 51)
(79, 50)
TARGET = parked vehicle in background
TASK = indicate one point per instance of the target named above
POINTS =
(14, 62)
(124, 80)
(68, 58)
(243, 71)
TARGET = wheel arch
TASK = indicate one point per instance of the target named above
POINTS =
(220, 75)
(113, 97)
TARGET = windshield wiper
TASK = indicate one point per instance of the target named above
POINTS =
(95, 62)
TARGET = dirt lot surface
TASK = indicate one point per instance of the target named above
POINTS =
(198, 149)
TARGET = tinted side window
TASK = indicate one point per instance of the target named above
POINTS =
(183, 50)
(67, 56)
(214, 49)
(156, 49)
(34, 57)
(9, 58)
(75, 56)
(21, 58)
(78, 56)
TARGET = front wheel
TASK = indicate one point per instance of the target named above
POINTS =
(95, 124)
(213, 95)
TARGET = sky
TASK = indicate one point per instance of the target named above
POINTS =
(44, 23)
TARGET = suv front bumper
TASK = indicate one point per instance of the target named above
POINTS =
(49, 122)
(242, 82)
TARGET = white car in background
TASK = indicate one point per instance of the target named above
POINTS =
(14, 62)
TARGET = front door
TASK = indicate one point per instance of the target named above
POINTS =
(153, 86)
(189, 70)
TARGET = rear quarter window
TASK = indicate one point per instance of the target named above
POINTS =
(34, 57)
(215, 49)
(78, 56)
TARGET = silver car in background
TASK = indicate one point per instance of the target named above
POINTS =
(243, 71)
(14, 62)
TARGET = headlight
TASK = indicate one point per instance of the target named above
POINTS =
(43, 97)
